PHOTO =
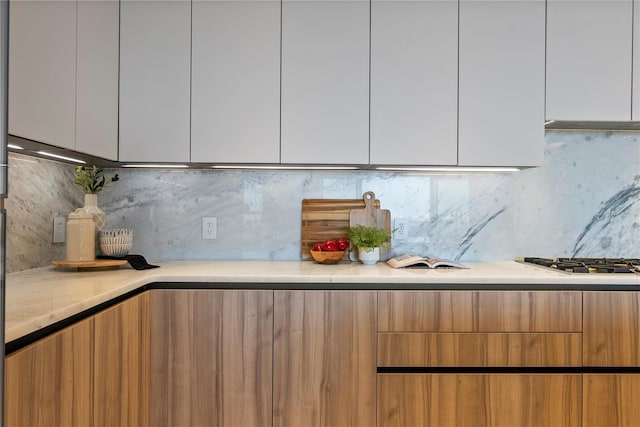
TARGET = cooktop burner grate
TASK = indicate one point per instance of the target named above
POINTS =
(588, 265)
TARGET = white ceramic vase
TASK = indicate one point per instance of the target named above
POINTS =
(369, 256)
(91, 206)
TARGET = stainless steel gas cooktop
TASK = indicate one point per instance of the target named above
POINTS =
(588, 265)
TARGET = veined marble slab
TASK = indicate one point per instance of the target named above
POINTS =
(584, 201)
(39, 190)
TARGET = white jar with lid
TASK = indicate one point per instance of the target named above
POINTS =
(81, 237)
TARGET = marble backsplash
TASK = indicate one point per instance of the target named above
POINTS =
(39, 190)
(584, 201)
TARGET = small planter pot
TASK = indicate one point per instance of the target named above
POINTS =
(91, 207)
(369, 256)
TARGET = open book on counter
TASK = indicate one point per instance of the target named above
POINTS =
(424, 262)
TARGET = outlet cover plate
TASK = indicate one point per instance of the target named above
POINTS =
(401, 228)
(59, 229)
(209, 228)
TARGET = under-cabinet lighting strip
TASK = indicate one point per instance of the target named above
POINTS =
(285, 167)
(57, 156)
(431, 169)
(156, 166)
(463, 169)
(15, 147)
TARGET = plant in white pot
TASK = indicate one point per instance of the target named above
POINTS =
(368, 241)
(92, 181)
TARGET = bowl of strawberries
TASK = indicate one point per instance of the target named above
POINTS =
(330, 251)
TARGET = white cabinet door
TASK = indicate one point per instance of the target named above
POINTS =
(414, 79)
(235, 100)
(325, 81)
(42, 71)
(155, 44)
(97, 78)
(589, 59)
(501, 83)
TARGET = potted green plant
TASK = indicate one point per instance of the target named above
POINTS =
(368, 241)
(93, 181)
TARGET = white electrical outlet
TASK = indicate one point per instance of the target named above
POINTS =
(401, 229)
(59, 229)
(209, 227)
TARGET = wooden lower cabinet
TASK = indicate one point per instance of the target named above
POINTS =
(324, 370)
(611, 340)
(49, 383)
(476, 400)
(121, 364)
(456, 337)
(93, 373)
(611, 400)
(211, 358)
(310, 358)
(611, 329)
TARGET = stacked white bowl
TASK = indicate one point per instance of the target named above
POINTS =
(115, 242)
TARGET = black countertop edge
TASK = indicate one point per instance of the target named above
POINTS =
(509, 370)
(328, 286)
(18, 343)
(23, 341)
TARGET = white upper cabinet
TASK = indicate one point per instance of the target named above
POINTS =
(501, 83)
(589, 59)
(42, 71)
(155, 45)
(414, 78)
(97, 78)
(235, 98)
(64, 74)
(325, 82)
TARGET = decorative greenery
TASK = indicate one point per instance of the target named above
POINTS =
(368, 237)
(92, 179)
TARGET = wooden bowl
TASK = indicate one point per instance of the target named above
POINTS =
(327, 257)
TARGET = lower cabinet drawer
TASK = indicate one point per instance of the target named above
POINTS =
(479, 311)
(611, 400)
(496, 400)
(480, 349)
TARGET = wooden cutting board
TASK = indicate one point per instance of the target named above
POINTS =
(324, 219)
(82, 265)
(372, 216)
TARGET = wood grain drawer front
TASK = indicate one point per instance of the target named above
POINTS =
(479, 311)
(611, 328)
(611, 400)
(477, 400)
(477, 350)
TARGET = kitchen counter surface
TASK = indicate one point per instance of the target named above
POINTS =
(41, 297)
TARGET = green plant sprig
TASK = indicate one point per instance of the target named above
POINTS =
(92, 179)
(368, 237)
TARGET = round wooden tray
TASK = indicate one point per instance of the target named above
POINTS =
(98, 263)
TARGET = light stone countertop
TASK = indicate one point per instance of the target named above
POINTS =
(40, 297)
